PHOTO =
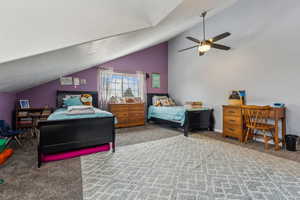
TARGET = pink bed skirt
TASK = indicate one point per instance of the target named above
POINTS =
(72, 154)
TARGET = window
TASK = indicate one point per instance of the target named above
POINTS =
(113, 84)
(122, 85)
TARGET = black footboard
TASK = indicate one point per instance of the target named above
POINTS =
(59, 136)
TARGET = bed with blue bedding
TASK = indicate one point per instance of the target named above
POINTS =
(179, 116)
(66, 131)
(170, 113)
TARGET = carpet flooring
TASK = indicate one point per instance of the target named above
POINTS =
(181, 168)
(62, 179)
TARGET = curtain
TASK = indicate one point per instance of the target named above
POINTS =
(104, 77)
(142, 86)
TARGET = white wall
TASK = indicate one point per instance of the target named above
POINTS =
(264, 60)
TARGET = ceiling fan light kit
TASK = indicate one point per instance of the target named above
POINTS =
(205, 45)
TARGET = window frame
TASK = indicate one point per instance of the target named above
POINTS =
(113, 90)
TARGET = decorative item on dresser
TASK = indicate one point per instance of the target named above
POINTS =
(128, 114)
(233, 123)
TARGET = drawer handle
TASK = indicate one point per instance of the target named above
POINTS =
(232, 120)
(232, 129)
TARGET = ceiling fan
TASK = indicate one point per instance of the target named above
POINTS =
(205, 45)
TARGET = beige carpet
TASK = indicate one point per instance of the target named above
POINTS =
(62, 179)
(181, 168)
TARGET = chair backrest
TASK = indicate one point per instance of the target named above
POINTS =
(255, 114)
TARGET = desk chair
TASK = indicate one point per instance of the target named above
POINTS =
(256, 120)
(6, 132)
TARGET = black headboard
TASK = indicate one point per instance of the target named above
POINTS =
(149, 97)
(61, 94)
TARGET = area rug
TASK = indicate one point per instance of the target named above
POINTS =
(180, 168)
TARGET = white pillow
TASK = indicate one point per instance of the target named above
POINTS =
(83, 107)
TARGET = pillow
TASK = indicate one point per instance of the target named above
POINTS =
(72, 101)
(86, 99)
(172, 102)
(155, 98)
(164, 102)
(157, 103)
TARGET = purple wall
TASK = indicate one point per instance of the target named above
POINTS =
(7, 105)
(153, 59)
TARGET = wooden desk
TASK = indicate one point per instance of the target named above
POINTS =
(27, 118)
(233, 124)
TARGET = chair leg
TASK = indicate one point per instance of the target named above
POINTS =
(266, 140)
(247, 135)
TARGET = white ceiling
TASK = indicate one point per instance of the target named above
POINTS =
(36, 26)
(40, 26)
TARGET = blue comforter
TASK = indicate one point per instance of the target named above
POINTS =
(61, 114)
(171, 113)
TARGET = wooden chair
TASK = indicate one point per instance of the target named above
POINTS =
(256, 119)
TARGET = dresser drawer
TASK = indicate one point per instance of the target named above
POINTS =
(232, 130)
(136, 107)
(118, 108)
(231, 111)
(136, 115)
(141, 112)
(232, 120)
(122, 120)
(121, 114)
(137, 119)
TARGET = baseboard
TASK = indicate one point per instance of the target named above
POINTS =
(257, 139)
(218, 130)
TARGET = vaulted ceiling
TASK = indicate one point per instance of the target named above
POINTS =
(42, 40)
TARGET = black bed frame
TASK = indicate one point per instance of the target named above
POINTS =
(57, 136)
(194, 120)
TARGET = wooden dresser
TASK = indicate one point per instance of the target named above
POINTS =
(233, 122)
(128, 114)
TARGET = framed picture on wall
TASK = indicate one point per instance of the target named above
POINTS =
(76, 81)
(24, 104)
(66, 81)
(155, 80)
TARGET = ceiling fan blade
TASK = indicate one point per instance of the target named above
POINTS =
(219, 46)
(193, 39)
(188, 48)
(201, 53)
(220, 37)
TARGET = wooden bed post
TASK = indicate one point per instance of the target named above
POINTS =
(113, 144)
(39, 157)
(212, 121)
